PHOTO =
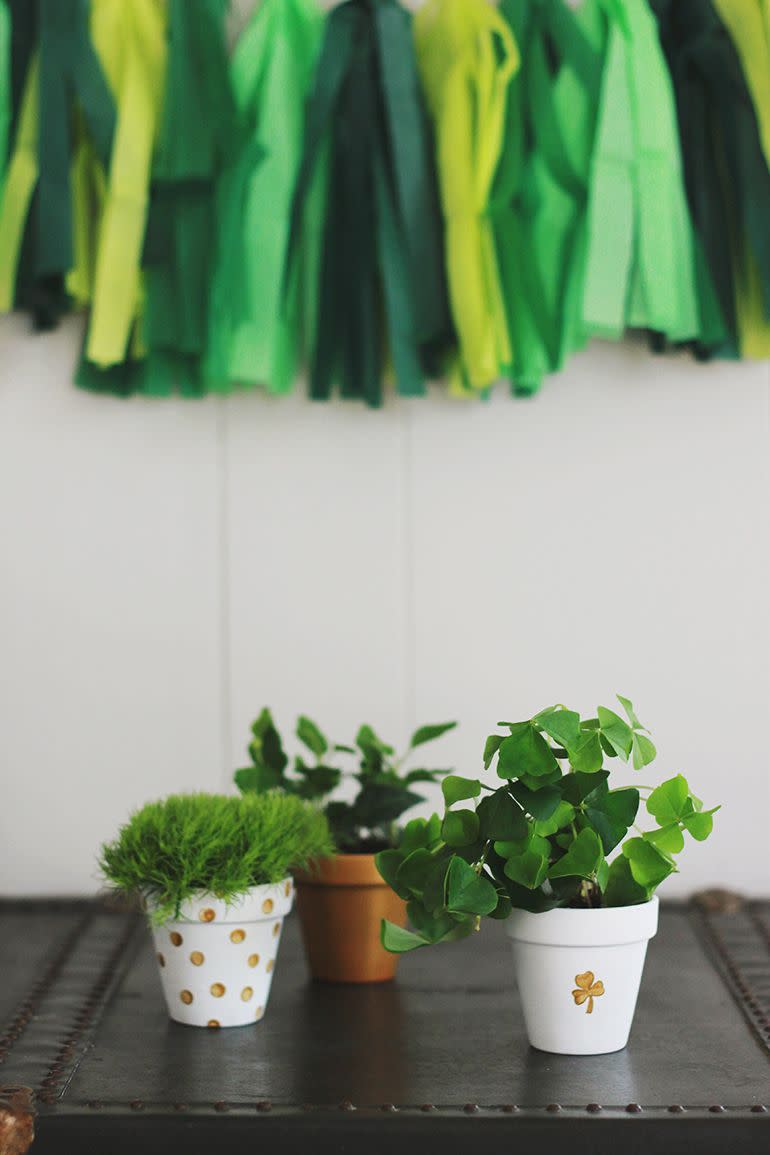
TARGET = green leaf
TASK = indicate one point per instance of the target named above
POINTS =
(491, 746)
(575, 787)
(585, 756)
(468, 892)
(311, 736)
(525, 751)
(424, 775)
(700, 825)
(648, 865)
(582, 859)
(429, 733)
(433, 927)
(460, 827)
(344, 749)
(256, 779)
(561, 817)
(528, 869)
(617, 732)
(541, 804)
(643, 751)
(501, 817)
(418, 833)
(669, 801)
(629, 709)
(561, 725)
(621, 888)
(379, 805)
(610, 813)
(318, 780)
(602, 874)
(434, 889)
(533, 783)
(413, 871)
(456, 789)
(669, 838)
(397, 940)
(388, 863)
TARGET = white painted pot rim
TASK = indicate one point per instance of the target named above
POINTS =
(269, 900)
(602, 926)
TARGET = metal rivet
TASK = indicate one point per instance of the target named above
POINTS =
(389, 1107)
(676, 1109)
(136, 1105)
(553, 1108)
(594, 1108)
(180, 1107)
(509, 1108)
(759, 1109)
(633, 1108)
(346, 1105)
(264, 1105)
(221, 1106)
(716, 1109)
(471, 1108)
(427, 1107)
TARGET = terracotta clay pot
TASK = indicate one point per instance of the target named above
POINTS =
(341, 904)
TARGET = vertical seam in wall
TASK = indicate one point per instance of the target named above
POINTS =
(409, 588)
(224, 571)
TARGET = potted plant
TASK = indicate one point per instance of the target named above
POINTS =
(535, 850)
(343, 899)
(213, 874)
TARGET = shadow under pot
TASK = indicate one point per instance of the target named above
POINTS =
(578, 973)
(217, 959)
(341, 904)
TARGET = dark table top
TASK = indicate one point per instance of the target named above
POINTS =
(428, 1059)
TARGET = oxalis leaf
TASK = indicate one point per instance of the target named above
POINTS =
(429, 733)
(561, 725)
(616, 732)
(643, 750)
(611, 813)
(456, 789)
(585, 756)
(308, 732)
(582, 859)
(460, 827)
(491, 746)
(648, 865)
(501, 817)
(397, 940)
(539, 803)
(468, 892)
(669, 801)
(525, 751)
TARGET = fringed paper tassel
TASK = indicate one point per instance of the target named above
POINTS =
(381, 282)
(467, 56)
(539, 198)
(63, 108)
(130, 39)
(198, 136)
(253, 333)
(728, 183)
(641, 259)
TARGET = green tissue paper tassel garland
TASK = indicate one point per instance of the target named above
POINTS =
(253, 332)
(641, 265)
(539, 198)
(381, 281)
(728, 183)
(198, 138)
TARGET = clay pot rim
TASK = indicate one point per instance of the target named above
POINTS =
(342, 870)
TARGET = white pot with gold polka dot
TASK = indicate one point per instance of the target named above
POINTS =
(216, 959)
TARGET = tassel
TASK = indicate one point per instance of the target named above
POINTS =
(253, 334)
(380, 280)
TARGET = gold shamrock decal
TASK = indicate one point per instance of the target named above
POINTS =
(588, 990)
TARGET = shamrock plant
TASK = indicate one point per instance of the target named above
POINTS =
(542, 838)
(368, 822)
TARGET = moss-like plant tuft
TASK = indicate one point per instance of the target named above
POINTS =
(223, 845)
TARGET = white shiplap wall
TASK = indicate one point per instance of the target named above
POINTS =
(167, 567)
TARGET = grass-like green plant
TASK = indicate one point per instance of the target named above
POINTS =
(216, 843)
(542, 838)
(368, 822)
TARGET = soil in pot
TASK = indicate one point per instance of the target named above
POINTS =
(217, 960)
(579, 972)
(341, 905)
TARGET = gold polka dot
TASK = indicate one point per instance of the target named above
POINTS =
(260, 1012)
(176, 938)
(287, 889)
(186, 997)
(161, 960)
(246, 993)
(276, 930)
(267, 906)
(237, 935)
(217, 990)
(270, 965)
(197, 959)
(253, 960)
(207, 915)
(213, 1023)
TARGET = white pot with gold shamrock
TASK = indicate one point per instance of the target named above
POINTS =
(578, 972)
(217, 959)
